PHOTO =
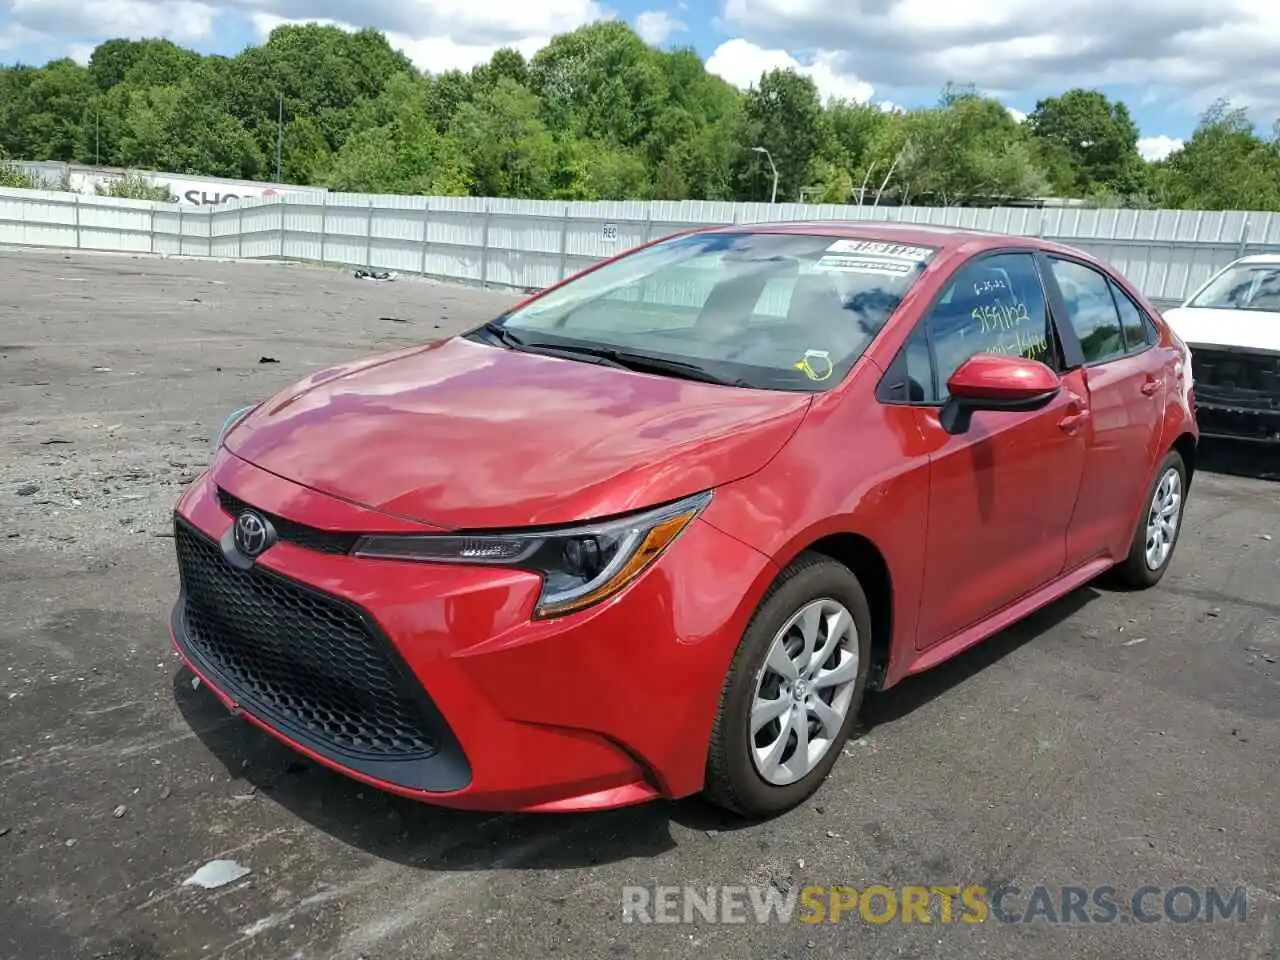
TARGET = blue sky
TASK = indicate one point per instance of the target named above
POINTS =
(1167, 60)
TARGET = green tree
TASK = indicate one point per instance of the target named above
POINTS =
(509, 150)
(783, 115)
(507, 63)
(596, 114)
(50, 111)
(601, 82)
(396, 148)
(692, 143)
(590, 170)
(143, 63)
(1090, 141)
(1224, 166)
(967, 149)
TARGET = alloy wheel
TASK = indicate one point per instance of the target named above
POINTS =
(1162, 519)
(803, 691)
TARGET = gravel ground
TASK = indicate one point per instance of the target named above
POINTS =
(1115, 740)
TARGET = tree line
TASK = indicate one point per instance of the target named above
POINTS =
(596, 115)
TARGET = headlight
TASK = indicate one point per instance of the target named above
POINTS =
(580, 566)
(229, 424)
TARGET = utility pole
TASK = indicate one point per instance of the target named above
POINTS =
(280, 140)
(893, 166)
(768, 156)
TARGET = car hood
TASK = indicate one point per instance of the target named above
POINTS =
(463, 435)
(1211, 327)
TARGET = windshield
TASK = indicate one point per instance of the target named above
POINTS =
(1245, 287)
(776, 311)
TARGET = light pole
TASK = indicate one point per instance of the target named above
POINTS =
(768, 156)
(280, 139)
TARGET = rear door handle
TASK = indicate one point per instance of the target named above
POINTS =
(1150, 386)
(1071, 424)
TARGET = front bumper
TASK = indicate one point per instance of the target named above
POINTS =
(1237, 393)
(432, 681)
(1226, 421)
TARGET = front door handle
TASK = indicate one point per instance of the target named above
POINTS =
(1150, 386)
(1072, 423)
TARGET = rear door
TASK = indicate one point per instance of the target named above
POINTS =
(1126, 378)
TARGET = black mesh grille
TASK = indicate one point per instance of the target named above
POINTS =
(1236, 378)
(299, 658)
(299, 534)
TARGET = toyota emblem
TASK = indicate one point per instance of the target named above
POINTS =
(253, 534)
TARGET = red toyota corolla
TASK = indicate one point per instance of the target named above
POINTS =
(656, 530)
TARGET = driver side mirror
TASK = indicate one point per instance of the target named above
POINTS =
(992, 381)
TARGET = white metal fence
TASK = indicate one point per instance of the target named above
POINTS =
(530, 244)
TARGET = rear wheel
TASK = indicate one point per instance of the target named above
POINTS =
(793, 691)
(1156, 535)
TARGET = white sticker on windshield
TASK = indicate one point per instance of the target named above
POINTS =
(878, 248)
(883, 267)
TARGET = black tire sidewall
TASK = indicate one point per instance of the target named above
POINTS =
(824, 578)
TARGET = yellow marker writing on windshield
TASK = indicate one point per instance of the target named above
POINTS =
(823, 369)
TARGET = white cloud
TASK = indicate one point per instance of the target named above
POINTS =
(81, 53)
(1196, 51)
(438, 54)
(65, 21)
(1157, 148)
(476, 33)
(466, 23)
(435, 54)
(657, 26)
(1018, 115)
(742, 63)
(436, 34)
(264, 23)
(14, 36)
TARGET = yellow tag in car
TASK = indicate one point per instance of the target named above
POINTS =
(823, 368)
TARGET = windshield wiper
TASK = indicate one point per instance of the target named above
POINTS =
(607, 356)
(643, 363)
(500, 333)
(495, 331)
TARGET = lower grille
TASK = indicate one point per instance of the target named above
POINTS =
(298, 658)
(1238, 378)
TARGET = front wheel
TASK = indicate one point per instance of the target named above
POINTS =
(793, 691)
(1156, 536)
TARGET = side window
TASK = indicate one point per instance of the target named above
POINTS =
(994, 305)
(909, 378)
(1090, 310)
(920, 386)
(1149, 327)
(1136, 335)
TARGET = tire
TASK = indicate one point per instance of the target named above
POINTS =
(1136, 571)
(734, 780)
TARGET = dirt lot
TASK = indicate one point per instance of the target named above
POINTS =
(1114, 740)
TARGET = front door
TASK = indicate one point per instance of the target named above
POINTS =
(1002, 493)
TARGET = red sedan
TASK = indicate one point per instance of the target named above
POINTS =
(655, 531)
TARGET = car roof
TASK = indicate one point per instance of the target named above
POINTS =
(1261, 259)
(893, 231)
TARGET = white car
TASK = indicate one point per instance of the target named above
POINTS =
(1232, 325)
